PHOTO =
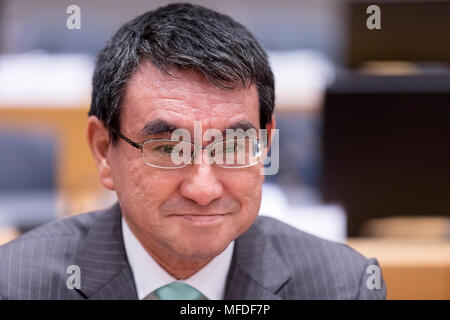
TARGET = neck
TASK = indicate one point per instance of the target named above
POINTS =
(180, 269)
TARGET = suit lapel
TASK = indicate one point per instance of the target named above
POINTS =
(257, 271)
(105, 272)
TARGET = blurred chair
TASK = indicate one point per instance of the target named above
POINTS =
(27, 162)
(27, 178)
(408, 227)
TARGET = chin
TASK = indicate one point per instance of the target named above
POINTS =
(201, 249)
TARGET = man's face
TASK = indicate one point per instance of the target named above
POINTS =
(196, 211)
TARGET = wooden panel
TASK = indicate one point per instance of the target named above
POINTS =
(412, 268)
(417, 282)
(77, 174)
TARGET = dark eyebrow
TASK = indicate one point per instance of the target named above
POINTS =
(157, 126)
(244, 125)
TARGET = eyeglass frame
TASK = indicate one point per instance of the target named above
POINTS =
(140, 146)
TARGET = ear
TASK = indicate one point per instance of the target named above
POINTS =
(269, 127)
(100, 144)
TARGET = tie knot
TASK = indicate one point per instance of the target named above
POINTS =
(178, 291)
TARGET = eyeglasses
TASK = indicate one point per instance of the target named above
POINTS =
(175, 154)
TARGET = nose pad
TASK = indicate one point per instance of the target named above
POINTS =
(207, 156)
(212, 153)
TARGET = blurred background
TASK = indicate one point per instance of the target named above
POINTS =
(364, 119)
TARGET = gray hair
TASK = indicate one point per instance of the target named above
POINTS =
(176, 37)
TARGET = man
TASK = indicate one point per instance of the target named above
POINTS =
(180, 230)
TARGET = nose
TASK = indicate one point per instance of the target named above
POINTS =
(201, 184)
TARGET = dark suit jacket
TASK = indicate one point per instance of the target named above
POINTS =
(270, 261)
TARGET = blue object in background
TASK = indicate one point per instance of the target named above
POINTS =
(27, 178)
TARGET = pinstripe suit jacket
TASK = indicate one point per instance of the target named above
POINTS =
(270, 261)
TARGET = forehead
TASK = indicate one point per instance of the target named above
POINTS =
(182, 98)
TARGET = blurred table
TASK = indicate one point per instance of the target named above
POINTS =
(412, 268)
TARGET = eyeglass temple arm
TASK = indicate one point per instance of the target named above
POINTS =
(131, 142)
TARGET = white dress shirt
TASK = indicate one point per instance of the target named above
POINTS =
(149, 275)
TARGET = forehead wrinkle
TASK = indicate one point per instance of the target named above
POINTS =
(182, 114)
(148, 76)
(184, 82)
(154, 95)
(198, 112)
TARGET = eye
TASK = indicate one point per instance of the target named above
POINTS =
(165, 148)
(230, 147)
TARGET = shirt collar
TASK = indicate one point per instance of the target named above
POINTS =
(149, 275)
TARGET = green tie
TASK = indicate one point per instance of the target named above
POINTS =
(178, 291)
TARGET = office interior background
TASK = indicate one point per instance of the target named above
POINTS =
(363, 116)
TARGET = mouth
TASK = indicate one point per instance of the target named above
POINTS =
(202, 219)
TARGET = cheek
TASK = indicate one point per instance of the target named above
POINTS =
(150, 188)
(245, 187)
(141, 189)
